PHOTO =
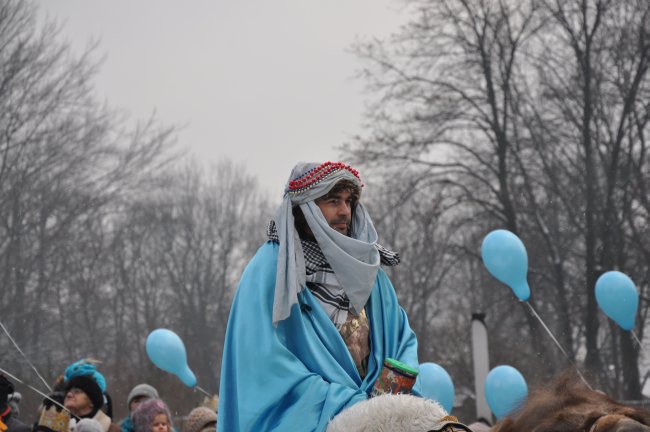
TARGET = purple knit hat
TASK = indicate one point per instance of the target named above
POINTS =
(144, 415)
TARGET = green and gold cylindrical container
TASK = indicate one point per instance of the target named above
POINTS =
(395, 378)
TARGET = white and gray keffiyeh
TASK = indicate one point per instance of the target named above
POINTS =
(340, 269)
(321, 280)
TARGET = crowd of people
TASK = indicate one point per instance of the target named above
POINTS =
(79, 402)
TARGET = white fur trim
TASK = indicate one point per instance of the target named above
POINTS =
(389, 413)
(103, 420)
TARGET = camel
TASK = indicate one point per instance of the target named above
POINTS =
(567, 405)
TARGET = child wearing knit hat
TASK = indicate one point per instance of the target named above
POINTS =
(152, 416)
(201, 419)
(137, 395)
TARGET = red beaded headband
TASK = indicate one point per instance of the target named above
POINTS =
(312, 177)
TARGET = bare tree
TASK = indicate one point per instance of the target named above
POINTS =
(177, 255)
(66, 160)
(532, 116)
(596, 85)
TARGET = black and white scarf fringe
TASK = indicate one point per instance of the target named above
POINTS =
(321, 279)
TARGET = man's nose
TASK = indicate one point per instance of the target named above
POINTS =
(344, 209)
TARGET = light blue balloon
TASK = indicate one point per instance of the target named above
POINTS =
(166, 350)
(617, 296)
(505, 390)
(505, 257)
(433, 382)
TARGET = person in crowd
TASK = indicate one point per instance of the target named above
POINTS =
(152, 415)
(137, 395)
(201, 419)
(85, 389)
(51, 417)
(8, 421)
(314, 316)
(14, 402)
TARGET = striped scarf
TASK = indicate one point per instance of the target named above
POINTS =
(322, 281)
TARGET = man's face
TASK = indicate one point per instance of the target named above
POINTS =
(337, 209)
(136, 401)
(78, 402)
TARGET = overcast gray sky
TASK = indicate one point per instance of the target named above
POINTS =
(268, 82)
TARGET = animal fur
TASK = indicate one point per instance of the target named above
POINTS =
(389, 413)
(567, 405)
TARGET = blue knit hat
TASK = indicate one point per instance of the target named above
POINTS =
(84, 375)
(86, 367)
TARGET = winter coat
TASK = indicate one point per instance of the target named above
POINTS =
(126, 425)
(105, 421)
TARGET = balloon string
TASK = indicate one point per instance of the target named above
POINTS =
(203, 391)
(24, 356)
(558, 344)
(636, 338)
(36, 390)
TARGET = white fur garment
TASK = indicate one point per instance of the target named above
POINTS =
(389, 413)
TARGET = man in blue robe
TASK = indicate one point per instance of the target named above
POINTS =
(314, 316)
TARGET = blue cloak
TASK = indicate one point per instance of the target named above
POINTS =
(300, 374)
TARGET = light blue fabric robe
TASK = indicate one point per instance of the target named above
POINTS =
(296, 377)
